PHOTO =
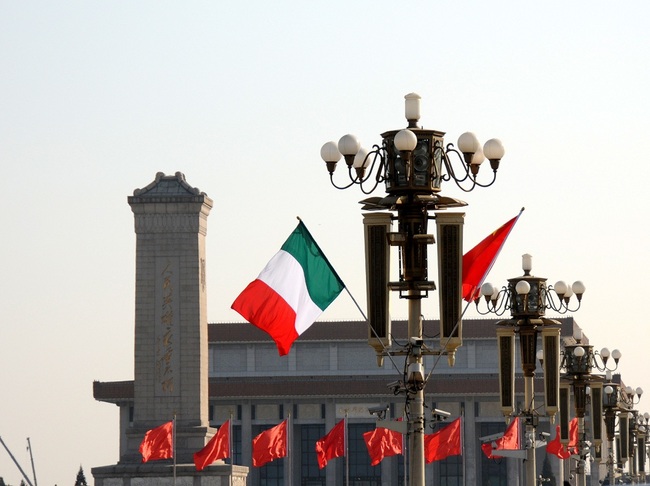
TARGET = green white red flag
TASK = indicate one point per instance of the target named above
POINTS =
(294, 288)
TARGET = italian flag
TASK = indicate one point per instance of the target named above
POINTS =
(294, 288)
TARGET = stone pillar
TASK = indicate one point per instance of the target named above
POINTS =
(171, 337)
(171, 327)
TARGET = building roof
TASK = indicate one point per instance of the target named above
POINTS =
(361, 385)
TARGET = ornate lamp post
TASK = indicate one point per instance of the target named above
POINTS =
(578, 363)
(643, 420)
(618, 402)
(413, 163)
(527, 298)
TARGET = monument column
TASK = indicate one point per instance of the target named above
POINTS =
(171, 339)
(171, 327)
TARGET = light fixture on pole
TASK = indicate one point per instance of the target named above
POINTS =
(528, 298)
(578, 363)
(413, 163)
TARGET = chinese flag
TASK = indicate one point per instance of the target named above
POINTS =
(508, 442)
(270, 444)
(332, 445)
(158, 443)
(556, 448)
(382, 443)
(479, 260)
(217, 448)
(444, 443)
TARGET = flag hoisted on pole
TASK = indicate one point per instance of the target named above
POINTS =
(478, 262)
(382, 443)
(217, 448)
(270, 444)
(444, 443)
(294, 288)
(510, 441)
(332, 445)
(158, 443)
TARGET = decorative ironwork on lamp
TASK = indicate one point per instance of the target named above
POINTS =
(413, 161)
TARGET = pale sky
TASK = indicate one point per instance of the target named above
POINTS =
(96, 97)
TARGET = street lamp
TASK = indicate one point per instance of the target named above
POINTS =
(579, 361)
(527, 298)
(643, 421)
(618, 402)
(413, 163)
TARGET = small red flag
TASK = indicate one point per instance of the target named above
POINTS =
(381, 443)
(331, 445)
(556, 448)
(270, 444)
(158, 443)
(217, 448)
(443, 443)
(508, 442)
(479, 260)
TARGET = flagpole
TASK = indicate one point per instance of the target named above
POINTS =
(462, 444)
(405, 451)
(345, 442)
(174, 446)
(289, 450)
(230, 454)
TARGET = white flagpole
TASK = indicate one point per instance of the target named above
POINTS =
(232, 459)
(174, 446)
(345, 442)
(405, 452)
(289, 458)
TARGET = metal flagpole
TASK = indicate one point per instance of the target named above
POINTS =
(405, 451)
(230, 454)
(174, 446)
(345, 443)
(289, 458)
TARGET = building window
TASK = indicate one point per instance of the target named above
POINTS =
(451, 471)
(360, 471)
(235, 446)
(310, 473)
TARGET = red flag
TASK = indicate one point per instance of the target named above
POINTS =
(556, 448)
(217, 448)
(332, 445)
(508, 442)
(444, 443)
(158, 443)
(573, 436)
(382, 443)
(479, 260)
(270, 444)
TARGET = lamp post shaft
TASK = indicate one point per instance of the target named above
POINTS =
(416, 422)
(581, 477)
(529, 399)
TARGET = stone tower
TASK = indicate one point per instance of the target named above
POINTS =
(171, 327)
(171, 337)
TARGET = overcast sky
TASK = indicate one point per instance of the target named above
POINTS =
(97, 97)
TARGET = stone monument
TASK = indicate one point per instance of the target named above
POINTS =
(171, 339)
